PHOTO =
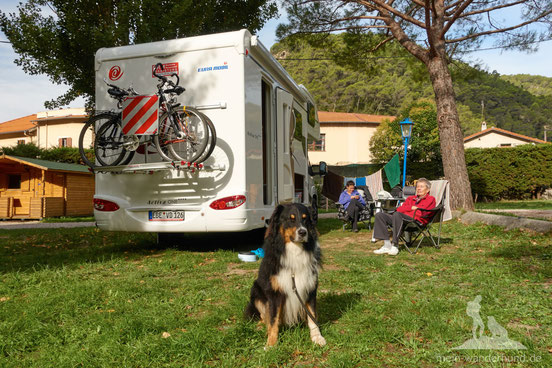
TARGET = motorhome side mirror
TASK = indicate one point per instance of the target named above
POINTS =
(322, 168)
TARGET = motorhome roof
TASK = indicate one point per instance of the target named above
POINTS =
(241, 40)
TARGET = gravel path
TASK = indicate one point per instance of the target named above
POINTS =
(9, 225)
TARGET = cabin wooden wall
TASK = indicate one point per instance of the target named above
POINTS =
(80, 195)
(20, 198)
(46, 193)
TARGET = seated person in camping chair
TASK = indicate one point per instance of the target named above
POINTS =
(353, 202)
(412, 208)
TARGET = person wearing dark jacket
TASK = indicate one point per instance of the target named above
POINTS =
(353, 202)
(413, 206)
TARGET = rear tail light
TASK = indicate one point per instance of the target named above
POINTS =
(104, 205)
(228, 203)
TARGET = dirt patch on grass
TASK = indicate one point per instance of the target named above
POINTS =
(235, 269)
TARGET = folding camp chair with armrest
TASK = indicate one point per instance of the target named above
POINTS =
(412, 229)
(365, 216)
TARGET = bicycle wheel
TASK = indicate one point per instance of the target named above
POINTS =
(87, 134)
(108, 144)
(212, 139)
(184, 136)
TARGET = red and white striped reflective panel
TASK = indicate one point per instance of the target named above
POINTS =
(140, 115)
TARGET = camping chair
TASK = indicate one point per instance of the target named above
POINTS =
(412, 229)
(365, 216)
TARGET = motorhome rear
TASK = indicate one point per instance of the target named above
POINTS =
(263, 121)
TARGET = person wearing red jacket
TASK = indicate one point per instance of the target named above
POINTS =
(413, 206)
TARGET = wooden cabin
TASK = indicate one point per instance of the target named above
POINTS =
(32, 189)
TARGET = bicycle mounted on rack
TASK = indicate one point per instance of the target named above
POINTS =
(182, 134)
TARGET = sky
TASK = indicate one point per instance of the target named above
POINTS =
(22, 94)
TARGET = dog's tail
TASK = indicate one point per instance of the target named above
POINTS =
(251, 311)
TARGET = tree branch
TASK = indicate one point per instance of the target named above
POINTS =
(381, 6)
(401, 37)
(453, 5)
(382, 43)
(501, 30)
(455, 16)
(480, 11)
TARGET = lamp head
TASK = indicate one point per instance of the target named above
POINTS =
(406, 128)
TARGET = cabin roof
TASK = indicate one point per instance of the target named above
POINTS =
(48, 165)
(348, 117)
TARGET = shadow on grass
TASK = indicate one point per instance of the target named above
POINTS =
(331, 306)
(527, 259)
(25, 250)
(33, 249)
(208, 242)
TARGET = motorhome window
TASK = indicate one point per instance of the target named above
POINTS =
(267, 143)
(299, 181)
(14, 181)
(312, 114)
(319, 145)
(298, 134)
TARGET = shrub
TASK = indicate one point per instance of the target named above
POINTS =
(510, 173)
(57, 154)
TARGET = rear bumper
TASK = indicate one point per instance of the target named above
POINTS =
(196, 220)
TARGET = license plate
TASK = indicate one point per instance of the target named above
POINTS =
(166, 215)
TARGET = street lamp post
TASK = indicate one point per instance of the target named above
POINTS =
(406, 132)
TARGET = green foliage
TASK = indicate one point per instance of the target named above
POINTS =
(60, 37)
(507, 106)
(57, 154)
(342, 78)
(535, 84)
(510, 173)
(424, 144)
(22, 150)
(380, 85)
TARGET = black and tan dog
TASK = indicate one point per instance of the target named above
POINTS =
(291, 251)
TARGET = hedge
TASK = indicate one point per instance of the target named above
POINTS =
(510, 172)
(58, 154)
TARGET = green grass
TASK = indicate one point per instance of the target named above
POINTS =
(68, 219)
(517, 205)
(83, 297)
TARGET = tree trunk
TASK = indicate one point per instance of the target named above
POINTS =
(450, 133)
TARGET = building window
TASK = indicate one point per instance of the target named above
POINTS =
(319, 145)
(505, 144)
(65, 142)
(14, 181)
(20, 141)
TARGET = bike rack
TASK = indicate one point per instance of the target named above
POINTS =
(150, 168)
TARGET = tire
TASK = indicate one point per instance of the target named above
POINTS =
(108, 145)
(212, 139)
(158, 140)
(190, 147)
(89, 128)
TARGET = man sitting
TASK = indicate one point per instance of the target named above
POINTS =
(422, 200)
(353, 202)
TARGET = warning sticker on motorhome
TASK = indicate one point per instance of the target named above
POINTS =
(140, 115)
(167, 70)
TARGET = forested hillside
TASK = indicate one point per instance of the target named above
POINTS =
(535, 84)
(391, 80)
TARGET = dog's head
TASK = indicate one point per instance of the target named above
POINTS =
(293, 222)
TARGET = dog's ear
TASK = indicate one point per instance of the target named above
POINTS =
(274, 221)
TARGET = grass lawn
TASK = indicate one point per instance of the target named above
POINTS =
(517, 205)
(83, 297)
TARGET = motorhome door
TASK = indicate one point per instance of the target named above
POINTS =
(284, 128)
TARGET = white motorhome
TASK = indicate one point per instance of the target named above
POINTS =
(263, 121)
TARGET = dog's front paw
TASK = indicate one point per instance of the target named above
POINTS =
(319, 340)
